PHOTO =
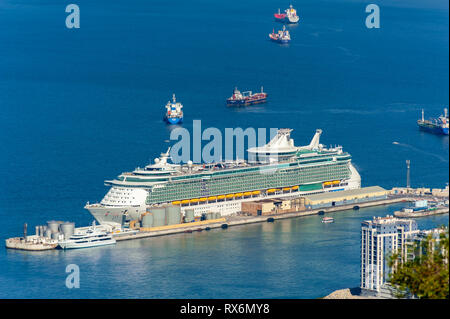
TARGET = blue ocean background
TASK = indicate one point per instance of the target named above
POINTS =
(78, 106)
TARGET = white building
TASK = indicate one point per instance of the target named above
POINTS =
(415, 243)
(380, 238)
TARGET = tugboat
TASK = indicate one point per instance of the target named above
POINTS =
(436, 126)
(282, 36)
(246, 98)
(290, 15)
(174, 113)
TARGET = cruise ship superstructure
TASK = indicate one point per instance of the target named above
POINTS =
(277, 169)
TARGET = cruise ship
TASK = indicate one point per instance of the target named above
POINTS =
(277, 169)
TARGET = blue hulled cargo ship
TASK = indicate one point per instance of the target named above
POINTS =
(174, 112)
(436, 126)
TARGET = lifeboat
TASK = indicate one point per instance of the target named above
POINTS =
(256, 192)
(336, 182)
(221, 197)
(185, 201)
(286, 189)
(272, 190)
(327, 183)
(238, 195)
(230, 196)
(247, 193)
(194, 200)
(177, 202)
(203, 199)
(294, 188)
(212, 198)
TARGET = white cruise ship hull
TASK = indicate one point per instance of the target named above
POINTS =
(105, 214)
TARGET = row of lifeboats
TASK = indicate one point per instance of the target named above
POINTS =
(214, 198)
(284, 189)
(233, 196)
(244, 194)
(331, 183)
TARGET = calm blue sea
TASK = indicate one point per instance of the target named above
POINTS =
(83, 105)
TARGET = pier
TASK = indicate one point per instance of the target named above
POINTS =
(268, 210)
(31, 243)
(237, 220)
(425, 213)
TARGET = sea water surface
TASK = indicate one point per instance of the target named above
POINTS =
(78, 106)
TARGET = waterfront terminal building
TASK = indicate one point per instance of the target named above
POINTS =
(346, 197)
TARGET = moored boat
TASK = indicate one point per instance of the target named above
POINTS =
(91, 237)
(200, 187)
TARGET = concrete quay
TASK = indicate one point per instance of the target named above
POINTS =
(31, 243)
(171, 229)
(402, 214)
(237, 220)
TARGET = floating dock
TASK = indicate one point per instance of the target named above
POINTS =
(243, 220)
(424, 213)
(255, 212)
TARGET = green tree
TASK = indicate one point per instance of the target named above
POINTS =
(425, 275)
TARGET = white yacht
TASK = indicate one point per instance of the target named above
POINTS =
(90, 237)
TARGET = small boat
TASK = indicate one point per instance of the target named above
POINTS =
(328, 220)
(282, 36)
(246, 98)
(174, 112)
(290, 16)
(92, 237)
(280, 16)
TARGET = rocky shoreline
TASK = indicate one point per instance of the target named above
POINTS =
(347, 293)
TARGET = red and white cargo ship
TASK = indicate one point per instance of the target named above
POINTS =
(246, 98)
(290, 15)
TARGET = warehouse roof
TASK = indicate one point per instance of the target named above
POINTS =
(347, 193)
